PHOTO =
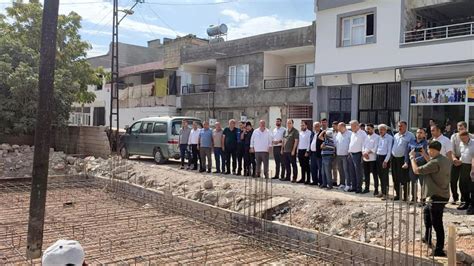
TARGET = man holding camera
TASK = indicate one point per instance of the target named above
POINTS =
(436, 177)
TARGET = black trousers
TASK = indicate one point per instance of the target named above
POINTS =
(304, 164)
(195, 156)
(465, 184)
(290, 162)
(383, 173)
(455, 172)
(400, 177)
(433, 216)
(249, 162)
(371, 167)
(240, 157)
(230, 152)
(278, 162)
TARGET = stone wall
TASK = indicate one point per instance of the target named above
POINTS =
(84, 140)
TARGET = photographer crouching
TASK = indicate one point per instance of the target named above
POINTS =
(436, 175)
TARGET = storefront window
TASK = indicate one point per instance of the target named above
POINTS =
(442, 114)
(444, 101)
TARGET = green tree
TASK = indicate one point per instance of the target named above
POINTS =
(20, 35)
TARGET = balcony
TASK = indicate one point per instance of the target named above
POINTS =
(193, 88)
(291, 82)
(453, 31)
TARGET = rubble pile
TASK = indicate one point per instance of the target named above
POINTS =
(17, 161)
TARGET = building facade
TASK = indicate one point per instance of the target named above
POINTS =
(266, 76)
(382, 61)
(147, 83)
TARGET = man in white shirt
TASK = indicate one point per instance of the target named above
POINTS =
(358, 138)
(446, 145)
(342, 141)
(277, 142)
(261, 145)
(456, 168)
(193, 142)
(370, 157)
(303, 155)
(466, 185)
(384, 153)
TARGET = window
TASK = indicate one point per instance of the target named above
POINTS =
(340, 104)
(238, 76)
(147, 127)
(135, 128)
(159, 127)
(358, 30)
(300, 75)
(380, 103)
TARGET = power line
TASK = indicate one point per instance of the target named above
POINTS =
(192, 4)
(162, 20)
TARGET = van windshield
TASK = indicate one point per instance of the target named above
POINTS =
(176, 126)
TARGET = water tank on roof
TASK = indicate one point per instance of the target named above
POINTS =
(217, 30)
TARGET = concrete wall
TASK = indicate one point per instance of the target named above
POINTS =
(387, 52)
(274, 66)
(82, 140)
(265, 42)
(129, 55)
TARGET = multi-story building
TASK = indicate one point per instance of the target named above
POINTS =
(260, 77)
(147, 82)
(382, 61)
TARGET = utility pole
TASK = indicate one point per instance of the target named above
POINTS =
(39, 181)
(114, 93)
(114, 88)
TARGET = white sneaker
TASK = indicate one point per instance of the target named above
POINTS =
(347, 188)
(342, 186)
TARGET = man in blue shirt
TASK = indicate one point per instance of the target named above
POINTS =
(420, 146)
(399, 169)
(205, 147)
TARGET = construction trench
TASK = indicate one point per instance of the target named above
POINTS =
(118, 222)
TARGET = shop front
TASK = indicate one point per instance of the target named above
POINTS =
(444, 93)
(445, 101)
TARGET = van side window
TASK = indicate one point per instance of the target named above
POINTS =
(147, 127)
(160, 128)
(135, 128)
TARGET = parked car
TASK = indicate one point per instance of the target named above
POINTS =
(154, 136)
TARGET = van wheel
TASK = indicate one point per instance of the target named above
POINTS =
(158, 157)
(124, 153)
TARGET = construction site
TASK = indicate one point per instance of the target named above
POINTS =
(131, 212)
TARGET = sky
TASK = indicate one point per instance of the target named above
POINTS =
(156, 19)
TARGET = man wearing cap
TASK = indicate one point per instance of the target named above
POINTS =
(436, 177)
(64, 252)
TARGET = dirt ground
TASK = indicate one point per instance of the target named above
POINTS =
(356, 216)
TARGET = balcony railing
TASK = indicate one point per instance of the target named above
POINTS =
(440, 33)
(192, 88)
(291, 82)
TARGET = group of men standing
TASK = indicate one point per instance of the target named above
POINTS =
(353, 155)
(326, 153)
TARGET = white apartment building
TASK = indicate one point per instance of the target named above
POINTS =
(382, 61)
